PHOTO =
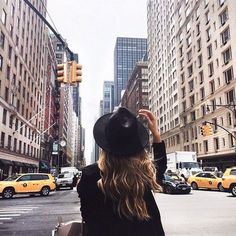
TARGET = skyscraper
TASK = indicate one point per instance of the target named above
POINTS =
(108, 97)
(127, 52)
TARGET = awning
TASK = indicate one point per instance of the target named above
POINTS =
(17, 163)
(27, 165)
(6, 162)
(34, 166)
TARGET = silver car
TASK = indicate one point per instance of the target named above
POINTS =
(64, 180)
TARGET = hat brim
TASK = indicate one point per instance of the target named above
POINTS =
(127, 149)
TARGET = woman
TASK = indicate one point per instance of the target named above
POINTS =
(115, 193)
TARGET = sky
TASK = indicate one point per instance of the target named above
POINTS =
(91, 28)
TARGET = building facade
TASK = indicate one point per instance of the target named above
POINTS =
(162, 70)
(127, 52)
(136, 94)
(23, 58)
(108, 97)
(198, 52)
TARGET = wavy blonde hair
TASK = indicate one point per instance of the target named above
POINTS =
(124, 181)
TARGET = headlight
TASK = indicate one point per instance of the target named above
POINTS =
(173, 184)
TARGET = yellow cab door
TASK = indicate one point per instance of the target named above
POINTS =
(213, 181)
(36, 182)
(23, 184)
(200, 180)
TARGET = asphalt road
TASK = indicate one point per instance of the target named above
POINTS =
(202, 212)
(199, 213)
(36, 216)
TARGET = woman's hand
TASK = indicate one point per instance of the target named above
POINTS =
(152, 124)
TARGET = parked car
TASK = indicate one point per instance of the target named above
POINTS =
(205, 180)
(213, 170)
(175, 185)
(64, 180)
(229, 180)
(29, 183)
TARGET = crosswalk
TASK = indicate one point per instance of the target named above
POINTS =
(10, 213)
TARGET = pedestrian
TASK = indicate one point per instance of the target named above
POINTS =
(74, 180)
(115, 193)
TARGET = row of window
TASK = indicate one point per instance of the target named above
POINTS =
(18, 146)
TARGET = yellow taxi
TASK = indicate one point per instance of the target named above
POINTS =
(205, 180)
(27, 183)
(229, 180)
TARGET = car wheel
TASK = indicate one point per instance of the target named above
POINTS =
(57, 188)
(168, 190)
(233, 190)
(45, 191)
(8, 193)
(220, 187)
(194, 185)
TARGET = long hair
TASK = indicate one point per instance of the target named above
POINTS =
(124, 180)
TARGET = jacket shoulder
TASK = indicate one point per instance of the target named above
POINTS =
(91, 171)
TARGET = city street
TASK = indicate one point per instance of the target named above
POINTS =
(26, 216)
(199, 213)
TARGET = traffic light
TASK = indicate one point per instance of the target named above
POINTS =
(75, 72)
(62, 73)
(206, 130)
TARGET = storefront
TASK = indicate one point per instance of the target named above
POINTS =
(5, 168)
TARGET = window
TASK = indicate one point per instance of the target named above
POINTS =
(9, 142)
(210, 69)
(183, 92)
(224, 17)
(2, 144)
(199, 44)
(209, 51)
(228, 75)
(216, 143)
(4, 17)
(212, 86)
(225, 36)
(189, 55)
(208, 33)
(1, 62)
(200, 60)
(191, 85)
(188, 26)
(221, 2)
(202, 93)
(227, 55)
(182, 78)
(230, 96)
(207, 17)
(198, 28)
(201, 77)
(205, 144)
(2, 40)
(6, 94)
(192, 101)
(193, 116)
(190, 70)
(4, 116)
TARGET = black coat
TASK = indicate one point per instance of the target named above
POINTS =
(99, 215)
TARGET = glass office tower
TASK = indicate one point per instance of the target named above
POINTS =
(128, 51)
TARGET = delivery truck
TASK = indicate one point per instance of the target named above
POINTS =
(183, 163)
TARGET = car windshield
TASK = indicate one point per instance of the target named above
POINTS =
(190, 165)
(12, 178)
(65, 175)
(168, 178)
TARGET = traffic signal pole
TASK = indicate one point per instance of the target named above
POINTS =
(51, 28)
(207, 122)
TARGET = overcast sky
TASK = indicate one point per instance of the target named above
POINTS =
(91, 28)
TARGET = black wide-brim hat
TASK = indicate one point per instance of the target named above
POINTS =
(120, 133)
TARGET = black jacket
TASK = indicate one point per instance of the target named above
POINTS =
(99, 215)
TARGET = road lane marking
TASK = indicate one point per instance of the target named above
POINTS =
(10, 215)
(7, 218)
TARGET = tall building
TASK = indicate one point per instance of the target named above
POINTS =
(162, 70)
(108, 97)
(23, 60)
(127, 52)
(206, 72)
(192, 63)
(136, 94)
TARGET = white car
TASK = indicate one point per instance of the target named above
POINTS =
(64, 180)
